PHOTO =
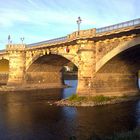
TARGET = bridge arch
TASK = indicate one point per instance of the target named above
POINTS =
(33, 57)
(120, 48)
(118, 70)
(4, 70)
(4, 65)
(46, 69)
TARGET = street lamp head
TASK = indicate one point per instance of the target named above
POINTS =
(79, 20)
(22, 39)
(9, 38)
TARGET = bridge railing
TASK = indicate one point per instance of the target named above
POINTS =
(2, 51)
(118, 26)
(98, 30)
(51, 41)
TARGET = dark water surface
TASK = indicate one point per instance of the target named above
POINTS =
(28, 116)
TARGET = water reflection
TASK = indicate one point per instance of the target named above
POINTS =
(72, 90)
(27, 115)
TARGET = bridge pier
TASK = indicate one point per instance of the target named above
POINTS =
(117, 84)
(44, 78)
(108, 84)
(16, 64)
(112, 81)
(86, 69)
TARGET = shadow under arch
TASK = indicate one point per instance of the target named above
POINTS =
(47, 69)
(37, 56)
(120, 48)
(4, 71)
(120, 73)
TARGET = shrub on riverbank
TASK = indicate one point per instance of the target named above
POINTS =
(76, 100)
(98, 99)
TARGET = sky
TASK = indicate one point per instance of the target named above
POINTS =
(39, 20)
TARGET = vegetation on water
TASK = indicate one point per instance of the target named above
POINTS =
(76, 100)
(130, 135)
(97, 99)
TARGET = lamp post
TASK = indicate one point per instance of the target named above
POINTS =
(22, 39)
(78, 23)
(9, 39)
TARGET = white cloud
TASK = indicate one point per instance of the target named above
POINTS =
(9, 17)
(35, 19)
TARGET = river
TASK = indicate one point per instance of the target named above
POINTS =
(27, 115)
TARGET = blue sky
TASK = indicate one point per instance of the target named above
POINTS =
(38, 20)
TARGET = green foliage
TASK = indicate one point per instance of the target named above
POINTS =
(96, 99)
(76, 98)
(72, 97)
(63, 70)
(101, 98)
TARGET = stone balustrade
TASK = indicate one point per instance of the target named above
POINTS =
(82, 34)
(11, 47)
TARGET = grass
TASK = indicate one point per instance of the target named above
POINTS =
(76, 98)
(97, 99)
(101, 98)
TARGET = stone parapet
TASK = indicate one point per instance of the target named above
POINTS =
(15, 47)
(82, 34)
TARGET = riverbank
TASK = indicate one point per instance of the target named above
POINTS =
(77, 101)
(30, 87)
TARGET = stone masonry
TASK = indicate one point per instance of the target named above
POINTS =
(107, 62)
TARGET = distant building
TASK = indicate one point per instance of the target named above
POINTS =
(67, 68)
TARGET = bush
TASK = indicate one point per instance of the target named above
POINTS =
(97, 99)
(101, 98)
(76, 98)
(72, 97)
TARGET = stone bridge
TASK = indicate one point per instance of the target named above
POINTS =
(108, 60)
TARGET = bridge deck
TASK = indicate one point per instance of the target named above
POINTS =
(118, 26)
(131, 23)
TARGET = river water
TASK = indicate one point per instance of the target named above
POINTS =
(28, 116)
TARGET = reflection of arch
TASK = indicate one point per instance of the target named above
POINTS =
(118, 71)
(120, 48)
